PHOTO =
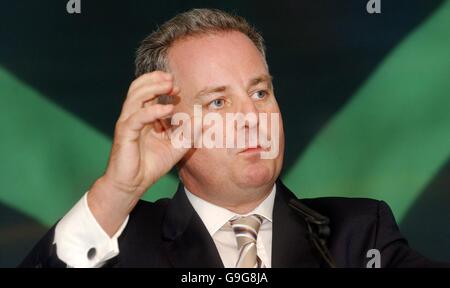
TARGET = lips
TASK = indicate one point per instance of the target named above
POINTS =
(256, 149)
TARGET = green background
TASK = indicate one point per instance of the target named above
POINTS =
(365, 100)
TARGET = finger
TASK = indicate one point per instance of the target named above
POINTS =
(165, 98)
(149, 91)
(145, 94)
(129, 130)
(154, 76)
(179, 151)
(164, 124)
(158, 126)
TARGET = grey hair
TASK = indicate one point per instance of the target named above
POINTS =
(152, 52)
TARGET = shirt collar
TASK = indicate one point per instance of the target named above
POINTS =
(222, 215)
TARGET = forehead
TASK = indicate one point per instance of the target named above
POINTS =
(224, 58)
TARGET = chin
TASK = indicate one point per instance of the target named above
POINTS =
(255, 174)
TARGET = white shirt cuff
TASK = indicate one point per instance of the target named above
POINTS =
(81, 241)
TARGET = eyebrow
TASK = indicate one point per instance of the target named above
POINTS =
(263, 78)
(253, 82)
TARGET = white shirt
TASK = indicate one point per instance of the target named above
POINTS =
(214, 217)
(78, 233)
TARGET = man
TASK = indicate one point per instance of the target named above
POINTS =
(230, 210)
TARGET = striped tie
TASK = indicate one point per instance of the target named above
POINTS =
(246, 231)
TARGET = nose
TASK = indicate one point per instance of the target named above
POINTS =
(247, 107)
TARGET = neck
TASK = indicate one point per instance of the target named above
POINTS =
(244, 208)
(240, 200)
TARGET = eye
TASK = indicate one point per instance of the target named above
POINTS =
(216, 103)
(260, 94)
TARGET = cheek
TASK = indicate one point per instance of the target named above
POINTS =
(270, 105)
(210, 160)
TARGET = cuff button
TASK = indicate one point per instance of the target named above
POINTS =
(91, 253)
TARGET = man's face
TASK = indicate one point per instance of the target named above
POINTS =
(225, 73)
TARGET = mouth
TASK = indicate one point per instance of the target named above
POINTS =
(254, 150)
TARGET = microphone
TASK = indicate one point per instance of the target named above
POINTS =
(318, 229)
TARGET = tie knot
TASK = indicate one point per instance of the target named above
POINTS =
(246, 228)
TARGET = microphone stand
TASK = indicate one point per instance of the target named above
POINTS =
(318, 229)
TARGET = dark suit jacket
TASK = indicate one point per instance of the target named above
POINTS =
(169, 233)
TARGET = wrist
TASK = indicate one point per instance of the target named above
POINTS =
(109, 205)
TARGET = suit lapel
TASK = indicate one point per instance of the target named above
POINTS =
(188, 244)
(291, 246)
(186, 239)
